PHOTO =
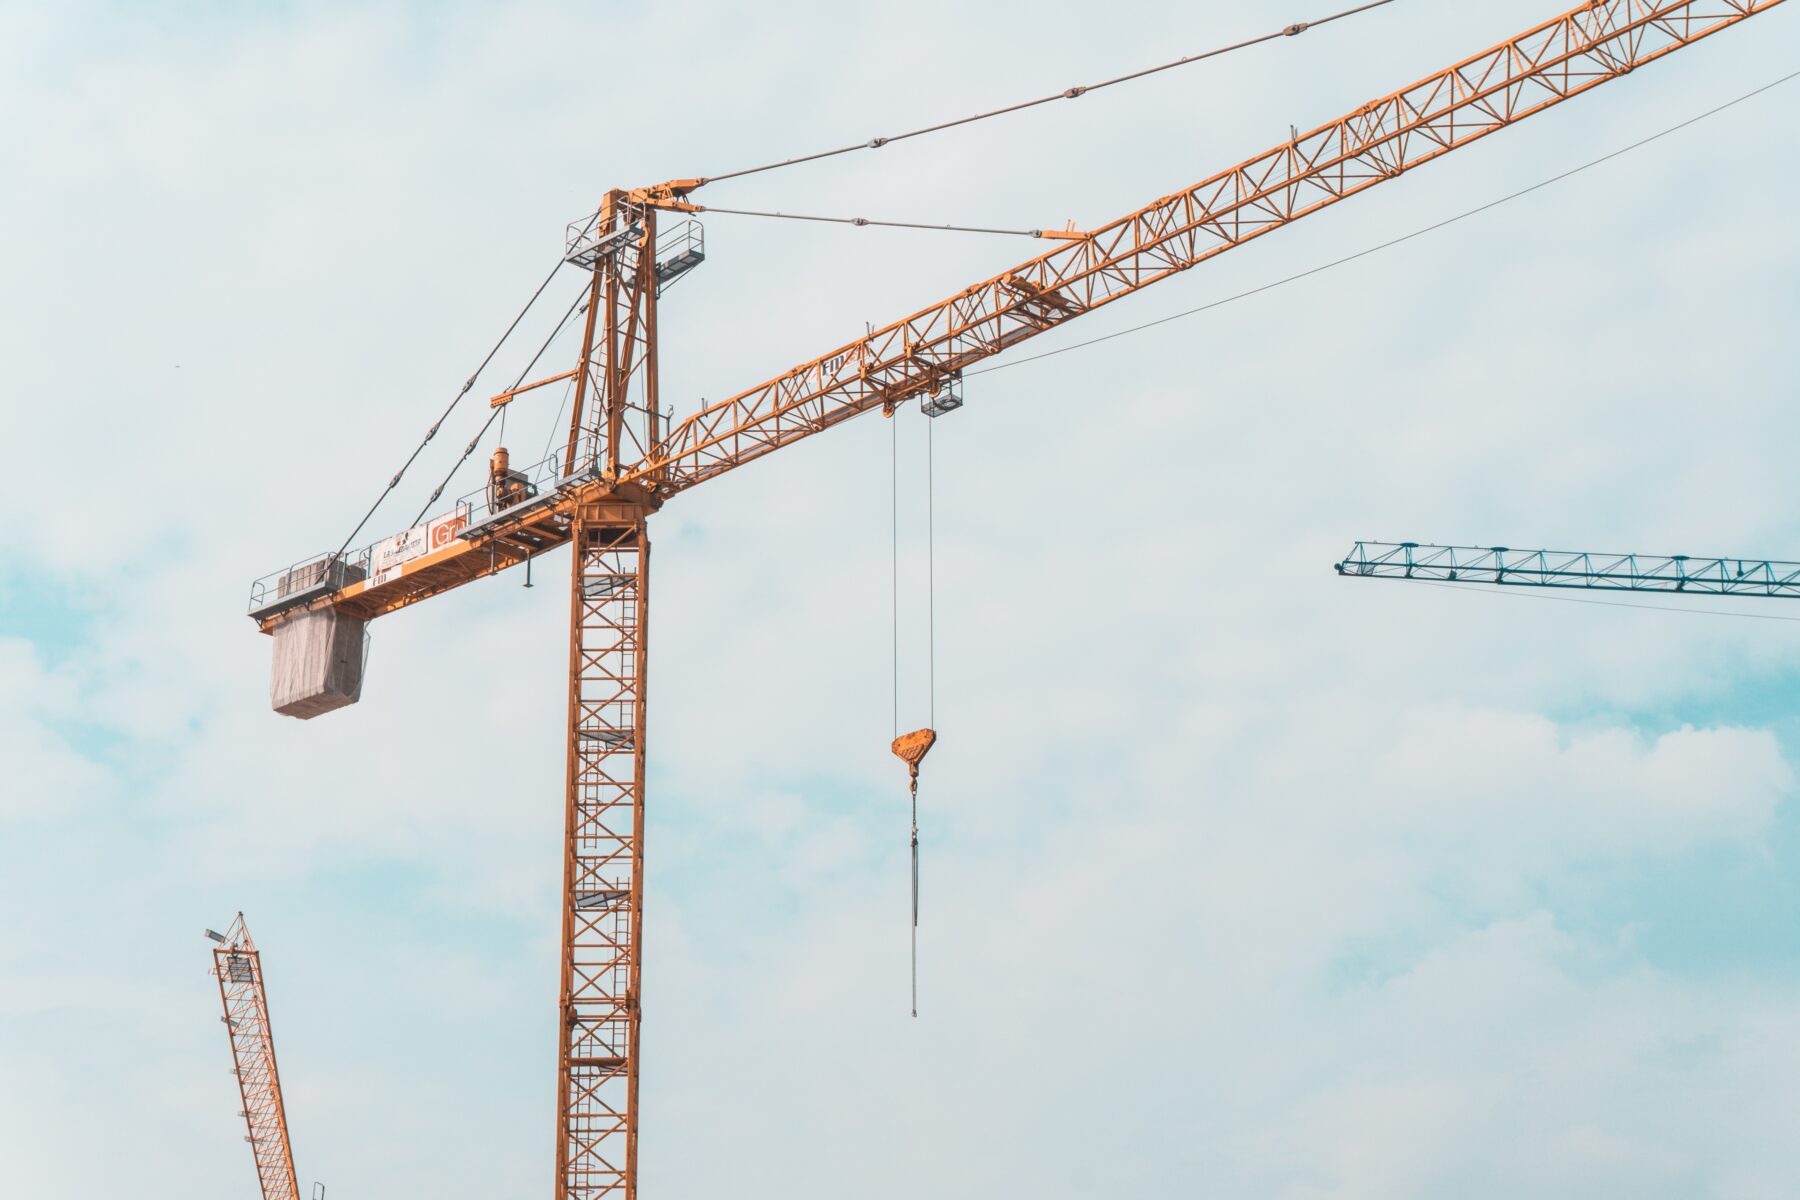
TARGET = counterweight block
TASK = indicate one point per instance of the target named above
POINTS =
(318, 663)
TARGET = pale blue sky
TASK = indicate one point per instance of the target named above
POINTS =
(1242, 880)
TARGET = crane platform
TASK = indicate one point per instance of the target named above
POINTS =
(468, 542)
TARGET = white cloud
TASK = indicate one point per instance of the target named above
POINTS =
(47, 777)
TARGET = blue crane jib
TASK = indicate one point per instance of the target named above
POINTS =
(1572, 569)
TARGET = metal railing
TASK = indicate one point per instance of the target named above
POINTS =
(679, 249)
(322, 574)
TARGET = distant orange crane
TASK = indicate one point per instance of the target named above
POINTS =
(619, 465)
(238, 967)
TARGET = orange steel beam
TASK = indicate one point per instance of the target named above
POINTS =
(603, 847)
(239, 969)
(603, 856)
(1589, 45)
(604, 223)
(501, 399)
(1519, 78)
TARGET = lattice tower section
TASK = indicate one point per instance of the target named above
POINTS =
(603, 861)
(238, 967)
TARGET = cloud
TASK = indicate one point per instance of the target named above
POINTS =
(48, 777)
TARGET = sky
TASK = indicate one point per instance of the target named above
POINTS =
(1240, 879)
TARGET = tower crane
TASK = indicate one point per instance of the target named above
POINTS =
(1502, 566)
(238, 967)
(621, 461)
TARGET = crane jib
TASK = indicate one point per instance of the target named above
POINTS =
(1505, 566)
(1518, 78)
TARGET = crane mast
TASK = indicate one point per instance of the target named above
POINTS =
(603, 859)
(603, 863)
(618, 466)
(238, 967)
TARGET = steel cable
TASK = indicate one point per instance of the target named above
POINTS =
(930, 577)
(894, 555)
(745, 212)
(437, 424)
(486, 425)
(1072, 93)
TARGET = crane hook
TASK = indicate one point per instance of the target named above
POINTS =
(911, 749)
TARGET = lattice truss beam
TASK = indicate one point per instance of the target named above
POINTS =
(603, 866)
(1544, 66)
(238, 967)
(1525, 75)
(1572, 569)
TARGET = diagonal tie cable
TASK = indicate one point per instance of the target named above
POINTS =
(876, 143)
(437, 424)
(486, 425)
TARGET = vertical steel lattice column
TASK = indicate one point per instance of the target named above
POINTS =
(239, 968)
(603, 857)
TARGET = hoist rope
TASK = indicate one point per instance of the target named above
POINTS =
(457, 399)
(930, 578)
(930, 643)
(930, 673)
(894, 559)
(746, 212)
(1392, 242)
(501, 411)
(1072, 93)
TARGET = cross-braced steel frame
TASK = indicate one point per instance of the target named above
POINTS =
(603, 865)
(1572, 569)
(239, 969)
(603, 856)
(616, 377)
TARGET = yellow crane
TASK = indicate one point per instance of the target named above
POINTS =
(620, 463)
(238, 967)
